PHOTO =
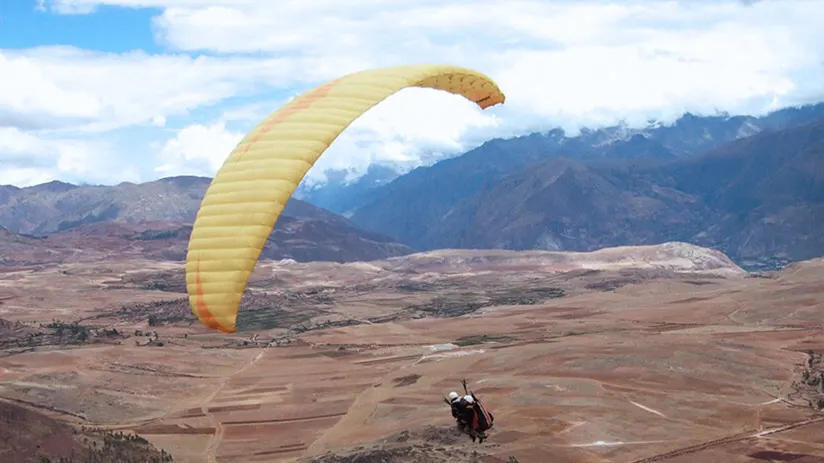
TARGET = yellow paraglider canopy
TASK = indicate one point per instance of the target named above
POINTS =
(246, 197)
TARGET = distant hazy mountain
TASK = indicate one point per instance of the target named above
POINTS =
(341, 197)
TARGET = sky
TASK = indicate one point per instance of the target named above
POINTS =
(107, 91)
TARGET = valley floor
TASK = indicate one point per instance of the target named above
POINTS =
(579, 361)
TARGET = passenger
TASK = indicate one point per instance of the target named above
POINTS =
(471, 417)
(479, 419)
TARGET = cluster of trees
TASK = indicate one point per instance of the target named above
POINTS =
(62, 333)
(813, 377)
(160, 312)
(117, 447)
(72, 330)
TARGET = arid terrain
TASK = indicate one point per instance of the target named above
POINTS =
(638, 354)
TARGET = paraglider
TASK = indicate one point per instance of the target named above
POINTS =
(248, 193)
(470, 415)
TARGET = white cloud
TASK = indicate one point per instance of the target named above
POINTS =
(197, 150)
(27, 160)
(560, 63)
(429, 126)
(426, 129)
(90, 91)
(25, 176)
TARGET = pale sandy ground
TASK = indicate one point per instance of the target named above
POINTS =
(649, 368)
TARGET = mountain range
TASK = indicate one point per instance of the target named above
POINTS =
(752, 187)
(748, 186)
(689, 135)
(154, 220)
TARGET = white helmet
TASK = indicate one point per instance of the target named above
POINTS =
(453, 395)
(468, 398)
